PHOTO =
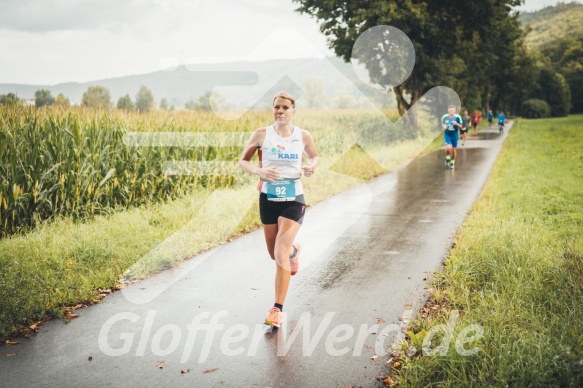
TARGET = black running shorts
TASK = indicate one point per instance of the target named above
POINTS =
(270, 211)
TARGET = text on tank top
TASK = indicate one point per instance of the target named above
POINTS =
(285, 153)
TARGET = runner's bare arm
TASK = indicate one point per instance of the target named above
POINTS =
(254, 143)
(311, 151)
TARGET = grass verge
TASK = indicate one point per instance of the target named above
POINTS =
(516, 271)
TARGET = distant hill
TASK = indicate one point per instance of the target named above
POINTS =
(257, 81)
(552, 23)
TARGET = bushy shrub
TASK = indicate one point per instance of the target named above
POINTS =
(535, 109)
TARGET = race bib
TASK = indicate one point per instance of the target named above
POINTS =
(284, 190)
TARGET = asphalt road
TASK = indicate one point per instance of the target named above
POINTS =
(366, 253)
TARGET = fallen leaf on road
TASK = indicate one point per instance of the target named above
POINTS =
(183, 371)
(71, 316)
(374, 358)
(161, 364)
(409, 277)
(381, 378)
(210, 370)
(397, 364)
(11, 355)
(380, 320)
(8, 342)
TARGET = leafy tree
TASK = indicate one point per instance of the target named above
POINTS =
(164, 104)
(43, 97)
(556, 38)
(345, 101)
(504, 68)
(514, 81)
(553, 88)
(144, 99)
(469, 33)
(9, 99)
(62, 101)
(574, 77)
(314, 93)
(97, 97)
(206, 102)
(190, 104)
(126, 103)
(570, 65)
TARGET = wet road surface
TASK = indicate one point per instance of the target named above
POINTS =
(365, 255)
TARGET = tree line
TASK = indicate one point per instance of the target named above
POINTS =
(95, 97)
(99, 97)
(475, 47)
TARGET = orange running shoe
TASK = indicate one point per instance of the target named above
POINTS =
(274, 317)
(294, 260)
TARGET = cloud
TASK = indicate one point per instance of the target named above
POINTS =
(57, 15)
(53, 41)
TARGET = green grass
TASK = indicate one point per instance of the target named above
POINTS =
(516, 270)
(66, 260)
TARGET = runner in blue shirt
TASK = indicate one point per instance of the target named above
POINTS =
(490, 118)
(501, 118)
(451, 122)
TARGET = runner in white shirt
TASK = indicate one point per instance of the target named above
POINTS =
(281, 201)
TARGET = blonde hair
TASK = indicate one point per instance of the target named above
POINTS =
(285, 95)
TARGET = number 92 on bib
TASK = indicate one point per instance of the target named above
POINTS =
(284, 190)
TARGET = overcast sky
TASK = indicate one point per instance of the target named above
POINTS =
(53, 41)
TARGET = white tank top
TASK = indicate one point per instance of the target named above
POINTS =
(285, 153)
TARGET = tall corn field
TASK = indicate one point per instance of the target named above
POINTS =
(74, 162)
